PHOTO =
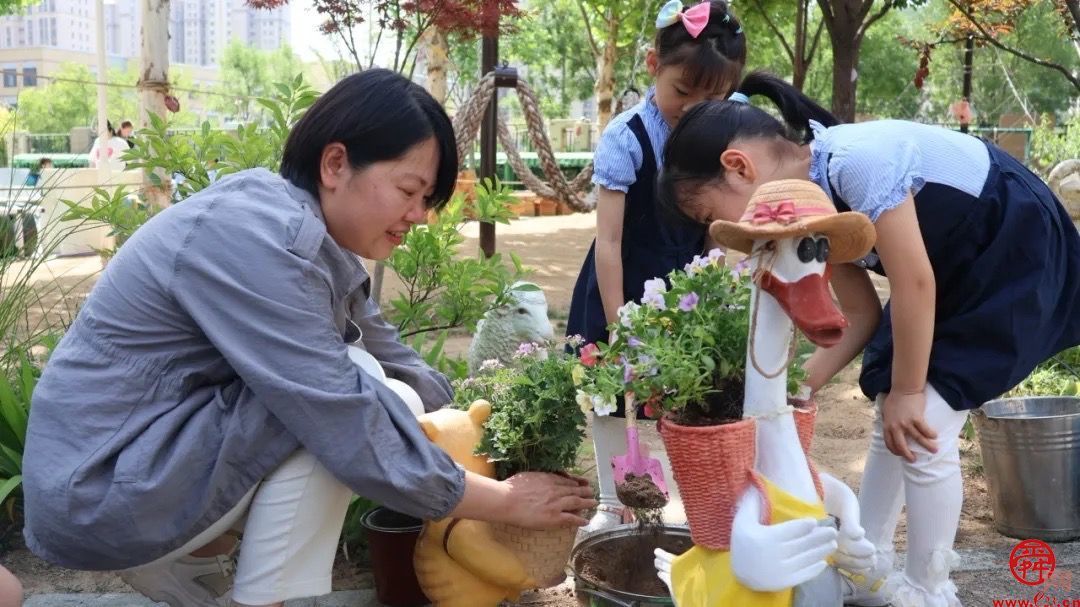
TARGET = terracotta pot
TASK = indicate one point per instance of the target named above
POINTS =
(711, 466)
(546, 206)
(543, 553)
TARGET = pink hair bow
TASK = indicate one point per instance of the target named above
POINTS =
(694, 19)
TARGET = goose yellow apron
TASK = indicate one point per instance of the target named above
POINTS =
(703, 578)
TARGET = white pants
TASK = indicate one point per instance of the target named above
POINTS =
(932, 488)
(291, 523)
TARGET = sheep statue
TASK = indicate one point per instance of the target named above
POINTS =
(1064, 180)
(523, 319)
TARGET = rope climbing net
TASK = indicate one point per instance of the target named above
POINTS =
(467, 124)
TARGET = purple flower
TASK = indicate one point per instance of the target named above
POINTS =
(688, 302)
(716, 255)
(628, 372)
(634, 342)
(525, 349)
(742, 266)
(649, 363)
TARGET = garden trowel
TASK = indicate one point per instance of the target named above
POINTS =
(637, 460)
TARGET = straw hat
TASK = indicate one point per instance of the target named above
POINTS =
(793, 207)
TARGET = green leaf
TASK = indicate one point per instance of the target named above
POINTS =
(8, 486)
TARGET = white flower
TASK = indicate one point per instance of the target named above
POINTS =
(584, 401)
(603, 405)
(626, 312)
(654, 293)
(490, 364)
(716, 255)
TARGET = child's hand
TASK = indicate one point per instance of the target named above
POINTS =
(903, 417)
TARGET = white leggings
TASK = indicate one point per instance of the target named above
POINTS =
(291, 523)
(932, 488)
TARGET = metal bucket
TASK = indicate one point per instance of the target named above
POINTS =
(1031, 455)
(599, 595)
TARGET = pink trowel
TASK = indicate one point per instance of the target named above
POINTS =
(637, 460)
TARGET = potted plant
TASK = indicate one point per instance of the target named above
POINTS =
(535, 426)
(682, 352)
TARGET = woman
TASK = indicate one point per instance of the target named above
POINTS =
(207, 378)
(109, 149)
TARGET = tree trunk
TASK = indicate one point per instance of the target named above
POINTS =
(605, 70)
(438, 51)
(154, 82)
(845, 58)
(799, 61)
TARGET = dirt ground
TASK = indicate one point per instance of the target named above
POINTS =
(554, 247)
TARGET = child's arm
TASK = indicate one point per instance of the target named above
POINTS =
(862, 308)
(913, 296)
(610, 206)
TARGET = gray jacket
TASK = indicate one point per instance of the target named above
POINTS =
(210, 349)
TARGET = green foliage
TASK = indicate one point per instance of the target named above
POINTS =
(683, 347)
(444, 290)
(1050, 145)
(17, 383)
(535, 424)
(248, 74)
(121, 211)
(1059, 376)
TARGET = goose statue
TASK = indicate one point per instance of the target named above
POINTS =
(794, 531)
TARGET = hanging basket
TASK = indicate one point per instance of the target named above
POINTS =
(544, 553)
(711, 466)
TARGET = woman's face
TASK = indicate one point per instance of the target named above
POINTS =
(369, 210)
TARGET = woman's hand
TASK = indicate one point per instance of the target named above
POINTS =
(903, 417)
(538, 500)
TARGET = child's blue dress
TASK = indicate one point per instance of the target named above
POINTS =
(1005, 254)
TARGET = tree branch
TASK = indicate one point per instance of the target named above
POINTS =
(1026, 57)
(588, 29)
(885, 8)
(776, 30)
(826, 13)
(817, 37)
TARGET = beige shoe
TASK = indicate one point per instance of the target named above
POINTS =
(186, 582)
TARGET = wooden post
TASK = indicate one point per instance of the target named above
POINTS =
(969, 51)
(154, 81)
(489, 55)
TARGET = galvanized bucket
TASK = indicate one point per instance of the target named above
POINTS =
(596, 595)
(1031, 455)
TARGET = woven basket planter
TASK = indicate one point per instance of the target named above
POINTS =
(711, 466)
(543, 553)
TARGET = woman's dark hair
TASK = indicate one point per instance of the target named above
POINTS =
(714, 59)
(692, 152)
(377, 115)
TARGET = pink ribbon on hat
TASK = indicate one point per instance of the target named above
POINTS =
(784, 212)
(694, 19)
(781, 213)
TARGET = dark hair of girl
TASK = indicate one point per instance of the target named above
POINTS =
(714, 60)
(377, 115)
(692, 152)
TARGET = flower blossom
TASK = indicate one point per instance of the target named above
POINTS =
(584, 401)
(688, 302)
(634, 342)
(589, 355)
(491, 364)
(626, 313)
(716, 256)
(654, 293)
(577, 374)
(575, 341)
(526, 349)
(603, 405)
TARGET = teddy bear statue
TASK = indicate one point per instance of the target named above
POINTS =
(458, 561)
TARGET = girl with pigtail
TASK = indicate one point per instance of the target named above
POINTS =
(698, 54)
(983, 265)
